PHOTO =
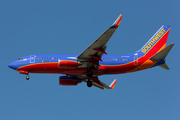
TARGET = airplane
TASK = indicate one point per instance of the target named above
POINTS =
(94, 61)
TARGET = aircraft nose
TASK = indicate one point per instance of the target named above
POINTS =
(12, 65)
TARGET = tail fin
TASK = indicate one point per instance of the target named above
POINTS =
(156, 43)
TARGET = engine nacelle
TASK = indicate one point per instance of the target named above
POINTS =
(68, 80)
(68, 64)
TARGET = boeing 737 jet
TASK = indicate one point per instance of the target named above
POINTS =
(94, 61)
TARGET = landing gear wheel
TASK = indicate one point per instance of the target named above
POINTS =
(89, 83)
(27, 77)
(89, 75)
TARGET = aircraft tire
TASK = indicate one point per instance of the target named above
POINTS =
(27, 77)
(89, 83)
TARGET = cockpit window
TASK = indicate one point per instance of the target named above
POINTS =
(20, 58)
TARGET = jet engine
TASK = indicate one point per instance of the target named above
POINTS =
(68, 80)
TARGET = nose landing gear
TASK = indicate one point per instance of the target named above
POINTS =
(25, 73)
(27, 77)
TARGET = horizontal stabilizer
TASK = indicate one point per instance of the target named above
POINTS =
(161, 55)
(164, 66)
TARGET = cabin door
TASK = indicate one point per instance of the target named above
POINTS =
(136, 59)
(32, 58)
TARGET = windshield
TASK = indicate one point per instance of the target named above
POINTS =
(20, 58)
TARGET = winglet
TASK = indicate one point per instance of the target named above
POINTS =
(112, 84)
(117, 22)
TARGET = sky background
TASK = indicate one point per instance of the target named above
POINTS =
(68, 27)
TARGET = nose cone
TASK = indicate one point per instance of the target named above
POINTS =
(12, 65)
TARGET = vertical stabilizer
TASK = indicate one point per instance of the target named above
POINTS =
(156, 43)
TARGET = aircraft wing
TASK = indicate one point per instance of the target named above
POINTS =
(94, 52)
(102, 85)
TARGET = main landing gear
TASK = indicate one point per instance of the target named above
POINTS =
(89, 75)
(89, 83)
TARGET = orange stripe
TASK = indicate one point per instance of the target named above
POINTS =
(147, 64)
